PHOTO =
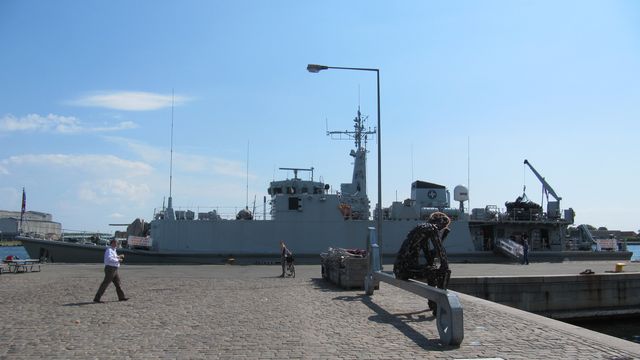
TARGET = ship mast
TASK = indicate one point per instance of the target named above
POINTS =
(360, 136)
(354, 194)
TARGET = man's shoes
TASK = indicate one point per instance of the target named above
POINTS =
(123, 299)
(281, 276)
(97, 301)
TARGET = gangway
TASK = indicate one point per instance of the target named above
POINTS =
(510, 248)
(449, 317)
(585, 233)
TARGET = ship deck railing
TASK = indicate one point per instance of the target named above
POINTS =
(224, 212)
(505, 217)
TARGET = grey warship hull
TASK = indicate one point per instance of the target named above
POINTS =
(244, 241)
(310, 219)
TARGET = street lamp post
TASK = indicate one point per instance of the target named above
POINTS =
(314, 68)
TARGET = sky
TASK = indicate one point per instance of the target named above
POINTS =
(468, 91)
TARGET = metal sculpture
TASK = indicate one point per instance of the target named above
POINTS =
(445, 305)
(427, 238)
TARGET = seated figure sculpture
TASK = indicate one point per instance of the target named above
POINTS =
(427, 238)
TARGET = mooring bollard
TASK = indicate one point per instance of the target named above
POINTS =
(449, 317)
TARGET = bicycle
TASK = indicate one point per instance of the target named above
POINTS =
(290, 269)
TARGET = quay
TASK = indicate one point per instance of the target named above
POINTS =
(569, 290)
(248, 312)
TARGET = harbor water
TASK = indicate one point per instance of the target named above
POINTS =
(636, 252)
(624, 328)
(18, 251)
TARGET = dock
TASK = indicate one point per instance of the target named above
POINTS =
(248, 312)
(569, 290)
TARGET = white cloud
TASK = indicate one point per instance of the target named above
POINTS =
(185, 162)
(35, 122)
(96, 164)
(146, 152)
(129, 100)
(105, 190)
(95, 179)
(55, 124)
(231, 168)
(124, 125)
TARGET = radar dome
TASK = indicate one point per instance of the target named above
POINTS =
(460, 193)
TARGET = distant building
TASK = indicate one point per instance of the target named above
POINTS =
(617, 234)
(34, 223)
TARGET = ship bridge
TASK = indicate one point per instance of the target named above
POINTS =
(296, 185)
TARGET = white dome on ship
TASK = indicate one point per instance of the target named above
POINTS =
(460, 193)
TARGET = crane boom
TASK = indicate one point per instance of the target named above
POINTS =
(545, 184)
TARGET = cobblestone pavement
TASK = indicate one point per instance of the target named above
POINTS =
(247, 312)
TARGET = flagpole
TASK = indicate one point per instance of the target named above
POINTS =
(24, 206)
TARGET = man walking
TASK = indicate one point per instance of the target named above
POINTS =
(284, 252)
(111, 264)
(525, 250)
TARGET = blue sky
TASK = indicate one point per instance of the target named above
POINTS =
(469, 90)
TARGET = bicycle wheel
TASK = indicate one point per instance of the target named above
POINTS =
(290, 270)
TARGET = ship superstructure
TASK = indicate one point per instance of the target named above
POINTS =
(309, 218)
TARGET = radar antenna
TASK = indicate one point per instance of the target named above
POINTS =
(359, 134)
(295, 171)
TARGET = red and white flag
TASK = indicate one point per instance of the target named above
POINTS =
(24, 201)
(24, 207)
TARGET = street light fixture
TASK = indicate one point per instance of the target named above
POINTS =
(315, 68)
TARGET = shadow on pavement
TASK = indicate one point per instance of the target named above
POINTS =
(401, 322)
(324, 285)
(81, 303)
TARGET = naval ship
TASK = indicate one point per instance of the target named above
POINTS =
(310, 219)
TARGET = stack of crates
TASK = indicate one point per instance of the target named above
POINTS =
(347, 272)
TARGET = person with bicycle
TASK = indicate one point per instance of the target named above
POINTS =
(285, 254)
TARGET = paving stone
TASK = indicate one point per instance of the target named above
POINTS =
(247, 312)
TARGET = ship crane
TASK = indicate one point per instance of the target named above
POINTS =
(553, 207)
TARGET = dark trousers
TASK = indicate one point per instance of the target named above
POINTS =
(110, 275)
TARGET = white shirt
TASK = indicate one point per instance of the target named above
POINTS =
(111, 257)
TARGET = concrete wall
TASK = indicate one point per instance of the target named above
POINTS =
(8, 228)
(37, 228)
(562, 297)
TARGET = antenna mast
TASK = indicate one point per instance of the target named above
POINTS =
(359, 133)
(354, 194)
(247, 190)
(169, 213)
(469, 170)
(171, 156)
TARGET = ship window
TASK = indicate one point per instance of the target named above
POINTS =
(275, 190)
(294, 203)
(304, 190)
